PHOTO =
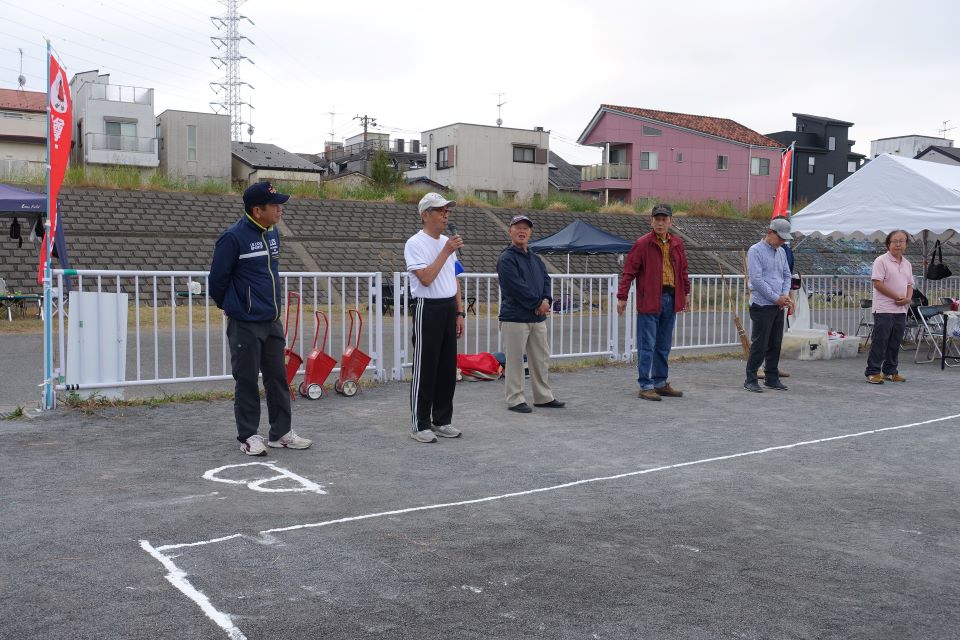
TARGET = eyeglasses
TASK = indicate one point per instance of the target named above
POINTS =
(898, 242)
(443, 208)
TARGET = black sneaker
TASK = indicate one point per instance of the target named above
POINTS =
(752, 386)
(523, 407)
(775, 384)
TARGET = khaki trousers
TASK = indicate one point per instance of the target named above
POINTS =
(529, 338)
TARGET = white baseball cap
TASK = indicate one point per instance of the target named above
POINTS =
(433, 200)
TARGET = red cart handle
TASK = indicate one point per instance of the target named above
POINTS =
(326, 330)
(354, 312)
(286, 320)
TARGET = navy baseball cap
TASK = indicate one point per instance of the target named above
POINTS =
(661, 210)
(519, 219)
(262, 193)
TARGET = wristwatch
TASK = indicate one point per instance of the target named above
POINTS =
(461, 314)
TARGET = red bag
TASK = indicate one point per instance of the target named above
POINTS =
(479, 366)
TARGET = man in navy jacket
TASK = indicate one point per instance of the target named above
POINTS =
(245, 283)
(524, 305)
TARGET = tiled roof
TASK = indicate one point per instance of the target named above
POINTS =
(719, 127)
(269, 156)
(565, 177)
(23, 100)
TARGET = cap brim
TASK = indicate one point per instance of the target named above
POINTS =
(278, 198)
(784, 237)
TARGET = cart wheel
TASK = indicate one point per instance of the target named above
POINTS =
(350, 388)
(303, 389)
(314, 392)
(337, 387)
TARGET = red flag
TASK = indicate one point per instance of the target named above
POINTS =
(59, 135)
(781, 206)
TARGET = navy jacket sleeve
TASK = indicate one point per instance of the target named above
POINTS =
(547, 293)
(221, 269)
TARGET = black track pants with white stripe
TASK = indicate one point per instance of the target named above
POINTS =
(434, 362)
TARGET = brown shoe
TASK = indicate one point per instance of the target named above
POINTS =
(670, 392)
(894, 377)
(875, 379)
(649, 394)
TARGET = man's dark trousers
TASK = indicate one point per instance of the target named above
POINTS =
(257, 347)
(434, 362)
(884, 356)
(765, 340)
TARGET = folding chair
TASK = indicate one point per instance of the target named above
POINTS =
(929, 332)
(866, 320)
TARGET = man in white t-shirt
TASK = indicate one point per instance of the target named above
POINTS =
(438, 318)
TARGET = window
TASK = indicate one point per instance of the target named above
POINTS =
(191, 142)
(648, 160)
(832, 143)
(760, 166)
(650, 131)
(851, 166)
(722, 163)
(116, 131)
(509, 196)
(829, 181)
(523, 154)
(811, 163)
(485, 194)
(679, 156)
(445, 157)
(618, 156)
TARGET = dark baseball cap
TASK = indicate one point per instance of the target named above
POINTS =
(521, 218)
(661, 210)
(262, 193)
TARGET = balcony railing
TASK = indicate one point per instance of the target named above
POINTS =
(606, 171)
(119, 93)
(102, 141)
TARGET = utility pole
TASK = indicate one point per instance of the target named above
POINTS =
(366, 120)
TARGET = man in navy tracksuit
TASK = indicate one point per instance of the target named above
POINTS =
(524, 305)
(245, 283)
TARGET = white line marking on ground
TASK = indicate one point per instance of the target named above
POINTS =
(258, 485)
(177, 577)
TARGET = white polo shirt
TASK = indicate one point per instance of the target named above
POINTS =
(420, 252)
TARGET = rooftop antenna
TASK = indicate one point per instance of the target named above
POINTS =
(944, 129)
(21, 79)
(500, 103)
(332, 113)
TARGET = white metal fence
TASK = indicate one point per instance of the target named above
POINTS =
(176, 335)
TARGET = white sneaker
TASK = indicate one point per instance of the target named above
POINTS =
(426, 436)
(253, 446)
(447, 431)
(290, 440)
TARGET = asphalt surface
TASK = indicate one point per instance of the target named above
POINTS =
(108, 528)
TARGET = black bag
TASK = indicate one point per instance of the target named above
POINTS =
(937, 270)
(15, 232)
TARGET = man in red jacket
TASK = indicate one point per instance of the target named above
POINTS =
(658, 262)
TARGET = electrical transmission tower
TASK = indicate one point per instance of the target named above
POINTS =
(227, 42)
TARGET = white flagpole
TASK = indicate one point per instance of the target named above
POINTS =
(49, 398)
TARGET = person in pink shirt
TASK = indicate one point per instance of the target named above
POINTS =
(892, 291)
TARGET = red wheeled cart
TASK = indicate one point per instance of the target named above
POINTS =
(319, 364)
(354, 362)
(291, 359)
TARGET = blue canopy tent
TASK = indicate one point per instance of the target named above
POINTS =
(19, 203)
(579, 237)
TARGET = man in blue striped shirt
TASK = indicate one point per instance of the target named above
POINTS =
(769, 296)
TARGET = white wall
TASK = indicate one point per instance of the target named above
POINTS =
(484, 159)
(906, 146)
(94, 102)
(213, 145)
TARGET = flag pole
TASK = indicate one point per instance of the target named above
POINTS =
(793, 157)
(48, 400)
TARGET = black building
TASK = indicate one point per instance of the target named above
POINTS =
(823, 155)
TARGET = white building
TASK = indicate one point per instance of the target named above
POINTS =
(195, 146)
(113, 124)
(906, 146)
(489, 162)
(23, 133)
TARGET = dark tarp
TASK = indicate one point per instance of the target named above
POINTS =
(580, 237)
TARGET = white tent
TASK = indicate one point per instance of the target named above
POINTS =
(888, 193)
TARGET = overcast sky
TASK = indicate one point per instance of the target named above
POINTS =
(888, 66)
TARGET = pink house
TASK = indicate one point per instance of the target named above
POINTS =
(675, 156)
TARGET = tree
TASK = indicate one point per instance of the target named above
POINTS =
(382, 171)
